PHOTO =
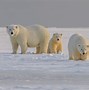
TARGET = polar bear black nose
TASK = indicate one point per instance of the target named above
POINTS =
(83, 53)
(11, 32)
(57, 39)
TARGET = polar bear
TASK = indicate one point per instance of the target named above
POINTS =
(32, 36)
(55, 43)
(78, 47)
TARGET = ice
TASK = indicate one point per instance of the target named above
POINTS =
(42, 71)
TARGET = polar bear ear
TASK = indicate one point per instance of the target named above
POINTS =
(78, 45)
(61, 34)
(16, 26)
(88, 46)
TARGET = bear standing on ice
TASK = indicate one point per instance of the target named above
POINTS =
(77, 47)
(33, 36)
(55, 44)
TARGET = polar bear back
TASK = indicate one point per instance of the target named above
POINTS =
(76, 39)
(38, 31)
(37, 34)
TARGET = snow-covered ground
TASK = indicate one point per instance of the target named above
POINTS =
(43, 71)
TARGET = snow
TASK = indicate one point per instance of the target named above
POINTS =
(44, 71)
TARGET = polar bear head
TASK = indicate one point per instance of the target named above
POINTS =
(57, 37)
(13, 30)
(82, 49)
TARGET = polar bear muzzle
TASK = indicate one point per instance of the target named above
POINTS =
(11, 33)
(57, 39)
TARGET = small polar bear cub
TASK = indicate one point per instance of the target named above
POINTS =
(77, 47)
(34, 36)
(55, 43)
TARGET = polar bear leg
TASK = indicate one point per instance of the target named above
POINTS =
(76, 57)
(14, 46)
(59, 51)
(23, 48)
(38, 50)
(43, 47)
(59, 48)
(54, 51)
(48, 51)
(71, 56)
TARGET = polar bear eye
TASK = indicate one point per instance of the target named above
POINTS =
(10, 29)
(16, 27)
(78, 45)
(54, 34)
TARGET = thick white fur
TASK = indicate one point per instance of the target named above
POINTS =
(55, 44)
(77, 47)
(32, 36)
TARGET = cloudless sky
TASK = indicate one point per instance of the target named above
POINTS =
(50, 13)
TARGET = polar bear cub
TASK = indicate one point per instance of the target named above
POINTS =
(77, 47)
(55, 43)
(34, 36)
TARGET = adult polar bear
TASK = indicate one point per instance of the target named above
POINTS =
(32, 36)
(77, 47)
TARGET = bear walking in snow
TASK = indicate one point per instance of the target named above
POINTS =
(32, 36)
(77, 47)
(55, 44)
